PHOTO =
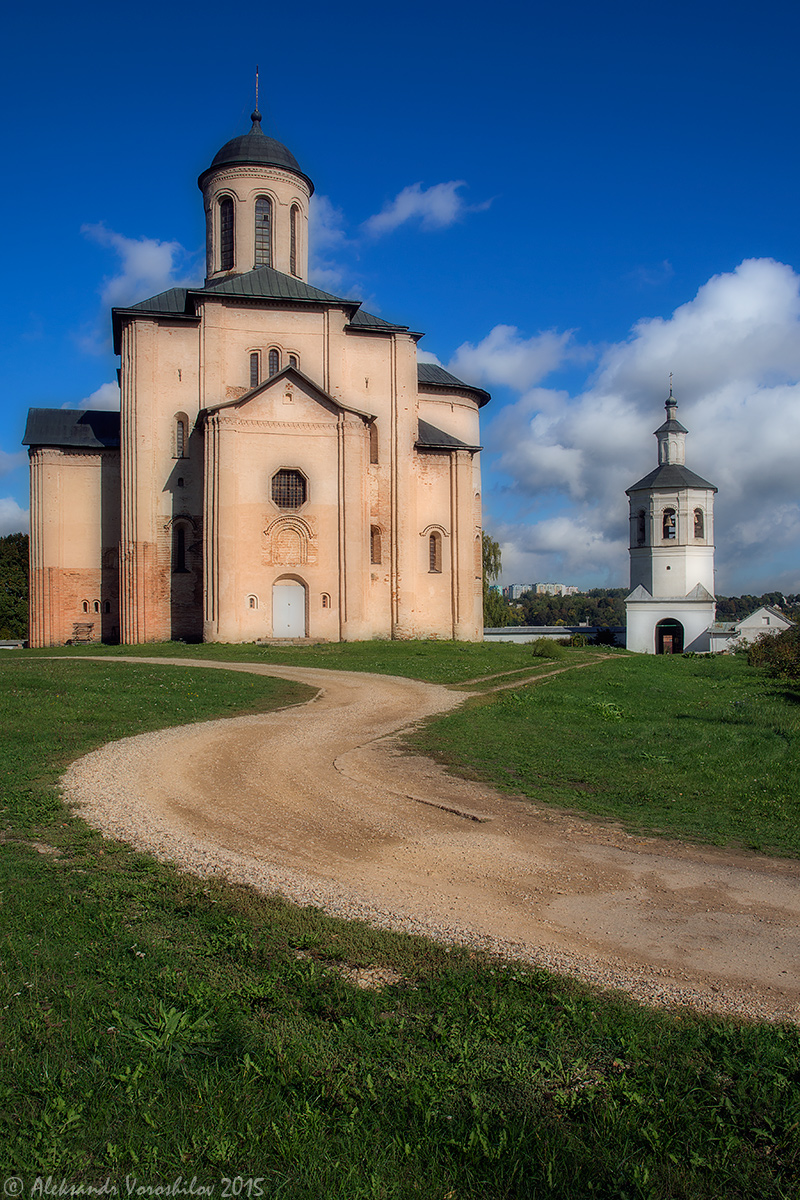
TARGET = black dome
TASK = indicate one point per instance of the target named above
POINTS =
(257, 149)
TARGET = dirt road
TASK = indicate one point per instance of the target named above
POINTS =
(318, 803)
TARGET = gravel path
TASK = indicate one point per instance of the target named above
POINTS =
(318, 803)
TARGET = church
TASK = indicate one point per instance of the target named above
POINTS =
(282, 466)
(671, 606)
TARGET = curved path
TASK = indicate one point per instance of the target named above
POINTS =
(318, 803)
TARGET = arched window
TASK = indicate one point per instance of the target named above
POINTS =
(373, 443)
(255, 368)
(181, 435)
(293, 232)
(289, 489)
(96, 606)
(226, 234)
(85, 606)
(641, 527)
(274, 362)
(326, 600)
(375, 545)
(699, 523)
(252, 601)
(179, 549)
(670, 524)
(263, 232)
(435, 553)
(108, 606)
(293, 361)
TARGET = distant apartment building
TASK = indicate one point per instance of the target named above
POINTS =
(515, 590)
(555, 589)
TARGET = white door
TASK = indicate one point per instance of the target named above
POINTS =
(288, 610)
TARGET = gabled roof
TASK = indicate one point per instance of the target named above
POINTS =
(93, 429)
(431, 375)
(265, 283)
(670, 476)
(698, 592)
(364, 320)
(431, 438)
(295, 376)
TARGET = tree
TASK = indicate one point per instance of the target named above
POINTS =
(495, 609)
(14, 586)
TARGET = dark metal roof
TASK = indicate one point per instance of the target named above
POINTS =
(257, 149)
(670, 475)
(265, 283)
(85, 429)
(431, 438)
(173, 301)
(432, 375)
(365, 320)
(671, 426)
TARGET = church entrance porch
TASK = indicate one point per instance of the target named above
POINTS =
(669, 637)
(288, 609)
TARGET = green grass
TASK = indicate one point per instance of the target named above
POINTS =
(437, 662)
(703, 748)
(154, 1025)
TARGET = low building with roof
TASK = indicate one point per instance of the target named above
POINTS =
(283, 466)
(726, 635)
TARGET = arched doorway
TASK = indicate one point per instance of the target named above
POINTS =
(669, 637)
(288, 609)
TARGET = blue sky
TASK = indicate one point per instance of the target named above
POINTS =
(572, 200)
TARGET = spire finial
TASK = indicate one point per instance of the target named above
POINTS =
(255, 115)
(670, 374)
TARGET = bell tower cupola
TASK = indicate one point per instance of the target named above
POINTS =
(256, 202)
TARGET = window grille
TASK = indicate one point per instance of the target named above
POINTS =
(293, 360)
(180, 438)
(254, 369)
(435, 553)
(289, 489)
(293, 239)
(263, 232)
(226, 233)
(326, 600)
(274, 362)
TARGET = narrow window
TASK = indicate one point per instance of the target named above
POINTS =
(289, 489)
(180, 437)
(252, 601)
(254, 371)
(179, 550)
(96, 606)
(293, 361)
(85, 606)
(435, 553)
(373, 443)
(669, 524)
(263, 232)
(375, 545)
(226, 234)
(641, 527)
(326, 600)
(108, 606)
(293, 239)
(699, 523)
(274, 362)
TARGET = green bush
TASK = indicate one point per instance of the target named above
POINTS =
(779, 653)
(546, 648)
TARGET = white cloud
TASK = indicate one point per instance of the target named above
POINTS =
(505, 357)
(435, 207)
(735, 351)
(425, 356)
(148, 266)
(13, 519)
(106, 396)
(13, 461)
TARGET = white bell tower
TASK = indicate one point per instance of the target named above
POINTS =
(671, 603)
